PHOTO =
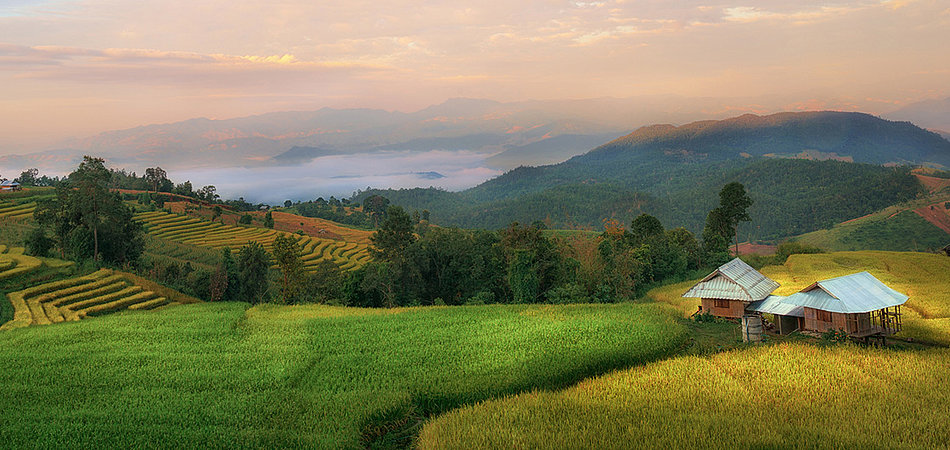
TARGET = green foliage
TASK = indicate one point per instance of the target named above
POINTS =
(834, 336)
(292, 276)
(245, 219)
(88, 221)
(269, 220)
(394, 235)
(791, 196)
(905, 231)
(253, 264)
(303, 376)
(38, 243)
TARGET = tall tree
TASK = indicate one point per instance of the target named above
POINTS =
(376, 206)
(88, 220)
(253, 263)
(287, 255)
(28, 177)
(155, 176)
(734, 204)
(269, 220)
(394, 235)
(90, 181)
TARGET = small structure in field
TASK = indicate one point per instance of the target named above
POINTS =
(859, 304)
(732, 287)
(9, 185)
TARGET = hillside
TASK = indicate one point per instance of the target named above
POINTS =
(791, 196)
(776, 395)
(797, 167)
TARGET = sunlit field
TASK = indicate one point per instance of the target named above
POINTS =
(786, 395)
(211, 375)
(202, 233)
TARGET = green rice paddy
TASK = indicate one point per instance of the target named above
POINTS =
(221, 375)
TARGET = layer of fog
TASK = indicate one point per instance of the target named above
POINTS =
(342, 175)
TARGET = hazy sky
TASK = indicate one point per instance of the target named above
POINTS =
(77, 67)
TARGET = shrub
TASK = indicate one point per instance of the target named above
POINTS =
(569, 293)
(38, 243)
(481, 298)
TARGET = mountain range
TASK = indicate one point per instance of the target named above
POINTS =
(537, 132)
(805, 171)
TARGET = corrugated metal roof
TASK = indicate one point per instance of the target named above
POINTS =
(775, 304)
(734, 280)
(855, 293)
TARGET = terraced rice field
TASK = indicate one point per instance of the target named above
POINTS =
(14, 263)
(73, 299)
(11, 210)
(201, 233)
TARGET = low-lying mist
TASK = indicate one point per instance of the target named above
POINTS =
(341, 175)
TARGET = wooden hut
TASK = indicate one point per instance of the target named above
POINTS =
(859, 304)
(732, 287)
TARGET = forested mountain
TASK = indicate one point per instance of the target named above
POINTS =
(791, 197)
(796, 166)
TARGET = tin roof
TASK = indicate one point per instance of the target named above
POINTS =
(775, 304)
(9, 183)
(856, 293)
(734, 280)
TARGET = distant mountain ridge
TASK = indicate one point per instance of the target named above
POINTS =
(261, 139)
(863, 137)
(792, 164)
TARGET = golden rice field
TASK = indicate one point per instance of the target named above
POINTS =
(925, 277)
(779, 396)
(202, 233)
(11, 210)
(14, 263)
(72, 299)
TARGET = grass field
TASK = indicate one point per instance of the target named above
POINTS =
(202, 233)
(14, 264)
(780, 396)
(72, 299)
(217, 375)
(789, 394)
(895, 228)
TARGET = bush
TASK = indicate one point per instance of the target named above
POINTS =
(834, 336)
(38, 243)
(481, 298)
(568, 293)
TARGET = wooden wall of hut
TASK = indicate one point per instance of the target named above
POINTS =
(735, 310)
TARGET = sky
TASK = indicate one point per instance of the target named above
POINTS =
(73, 68)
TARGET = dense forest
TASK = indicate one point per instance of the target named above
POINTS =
(792, 196)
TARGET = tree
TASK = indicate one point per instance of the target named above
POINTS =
(89, 221)
(288, 203)
(394, 235)
(28, 177)
(155, 176)
(734, 204)
(215, 212)
(245, 219)
(376, 206)
(268, 220)
(253, 263)
(208, 193)
(287, 255)
(645, 227)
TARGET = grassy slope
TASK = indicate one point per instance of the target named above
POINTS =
(782, 395)
(895, 228)
(208, 375)
(776, 396)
